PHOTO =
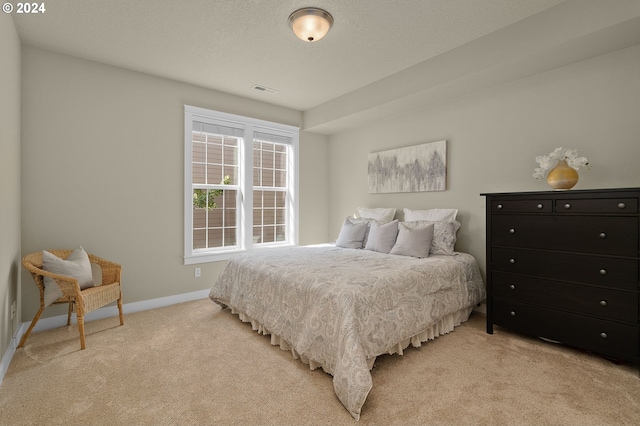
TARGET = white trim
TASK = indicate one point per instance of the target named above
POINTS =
(8, 355)
(294, 203)
(106, 312)
(206, 257)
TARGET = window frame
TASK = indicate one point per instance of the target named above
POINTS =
(244, 199)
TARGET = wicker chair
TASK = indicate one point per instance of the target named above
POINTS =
(84, 301)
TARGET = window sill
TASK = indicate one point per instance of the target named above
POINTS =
(211, 257)
(226, 255)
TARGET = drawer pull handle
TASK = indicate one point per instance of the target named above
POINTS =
(512, 231)
(512, 261)
(512, 313)
(567, 206)
(539, 206)
(499, 206)
(603, 271)
(512, 287)
(603, 235)
(621, 205)
(603, 303)
(603, 335)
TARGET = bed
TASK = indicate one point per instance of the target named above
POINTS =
(339, 308)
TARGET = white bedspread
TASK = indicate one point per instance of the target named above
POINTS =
(340, 308)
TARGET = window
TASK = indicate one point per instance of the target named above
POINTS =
(240, 185)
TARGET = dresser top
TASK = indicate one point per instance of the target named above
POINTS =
(571, 192)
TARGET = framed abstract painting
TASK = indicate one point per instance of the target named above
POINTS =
(415, 168)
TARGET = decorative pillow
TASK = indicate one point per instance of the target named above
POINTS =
(354, 219)
(431, 214)
(380, 215)
(413, 240)
(382, 237)
(76, 266)
(352, 233)
(444, 235)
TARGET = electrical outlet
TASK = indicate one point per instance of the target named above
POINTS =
(198, 272)
(13, 310)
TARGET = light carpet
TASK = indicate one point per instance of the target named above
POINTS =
(196, 364)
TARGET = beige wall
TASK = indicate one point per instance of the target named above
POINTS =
(314, 188)
(494, 136)
(9, 179)
(103, 168)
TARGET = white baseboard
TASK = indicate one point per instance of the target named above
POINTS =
(106, 312)
(8, 356)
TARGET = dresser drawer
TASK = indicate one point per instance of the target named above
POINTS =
(522, 206)
(578, 268)
(605, 337)
(601, 302)
(602, 205)
(587, 234)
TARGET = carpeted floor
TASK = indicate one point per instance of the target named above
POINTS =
(195, 364)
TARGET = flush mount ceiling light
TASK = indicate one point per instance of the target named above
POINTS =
(310, 23)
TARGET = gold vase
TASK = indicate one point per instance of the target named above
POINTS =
(562, 176)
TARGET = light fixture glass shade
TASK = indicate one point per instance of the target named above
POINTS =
(310, 24)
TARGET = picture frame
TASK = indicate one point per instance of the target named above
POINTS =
(417, 168)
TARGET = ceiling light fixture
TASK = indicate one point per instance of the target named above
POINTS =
(310, 23)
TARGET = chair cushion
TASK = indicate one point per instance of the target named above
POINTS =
(76, 265)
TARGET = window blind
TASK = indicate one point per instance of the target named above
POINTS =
(218, 129)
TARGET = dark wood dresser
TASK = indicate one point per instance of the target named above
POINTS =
(564, 265)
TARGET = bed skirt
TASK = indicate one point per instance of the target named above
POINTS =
(441, 327)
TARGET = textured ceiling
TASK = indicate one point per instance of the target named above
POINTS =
(232, 45)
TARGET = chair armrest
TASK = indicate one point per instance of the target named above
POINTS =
(68, 285)
(111, 271)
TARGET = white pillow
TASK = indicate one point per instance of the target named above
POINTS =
(413, 241)
(431, 214)
(352, 233)
(76, 265)
(382, 237)
(381, 215)
(444, 235)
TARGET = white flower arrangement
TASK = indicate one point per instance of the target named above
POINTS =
(548, 162)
